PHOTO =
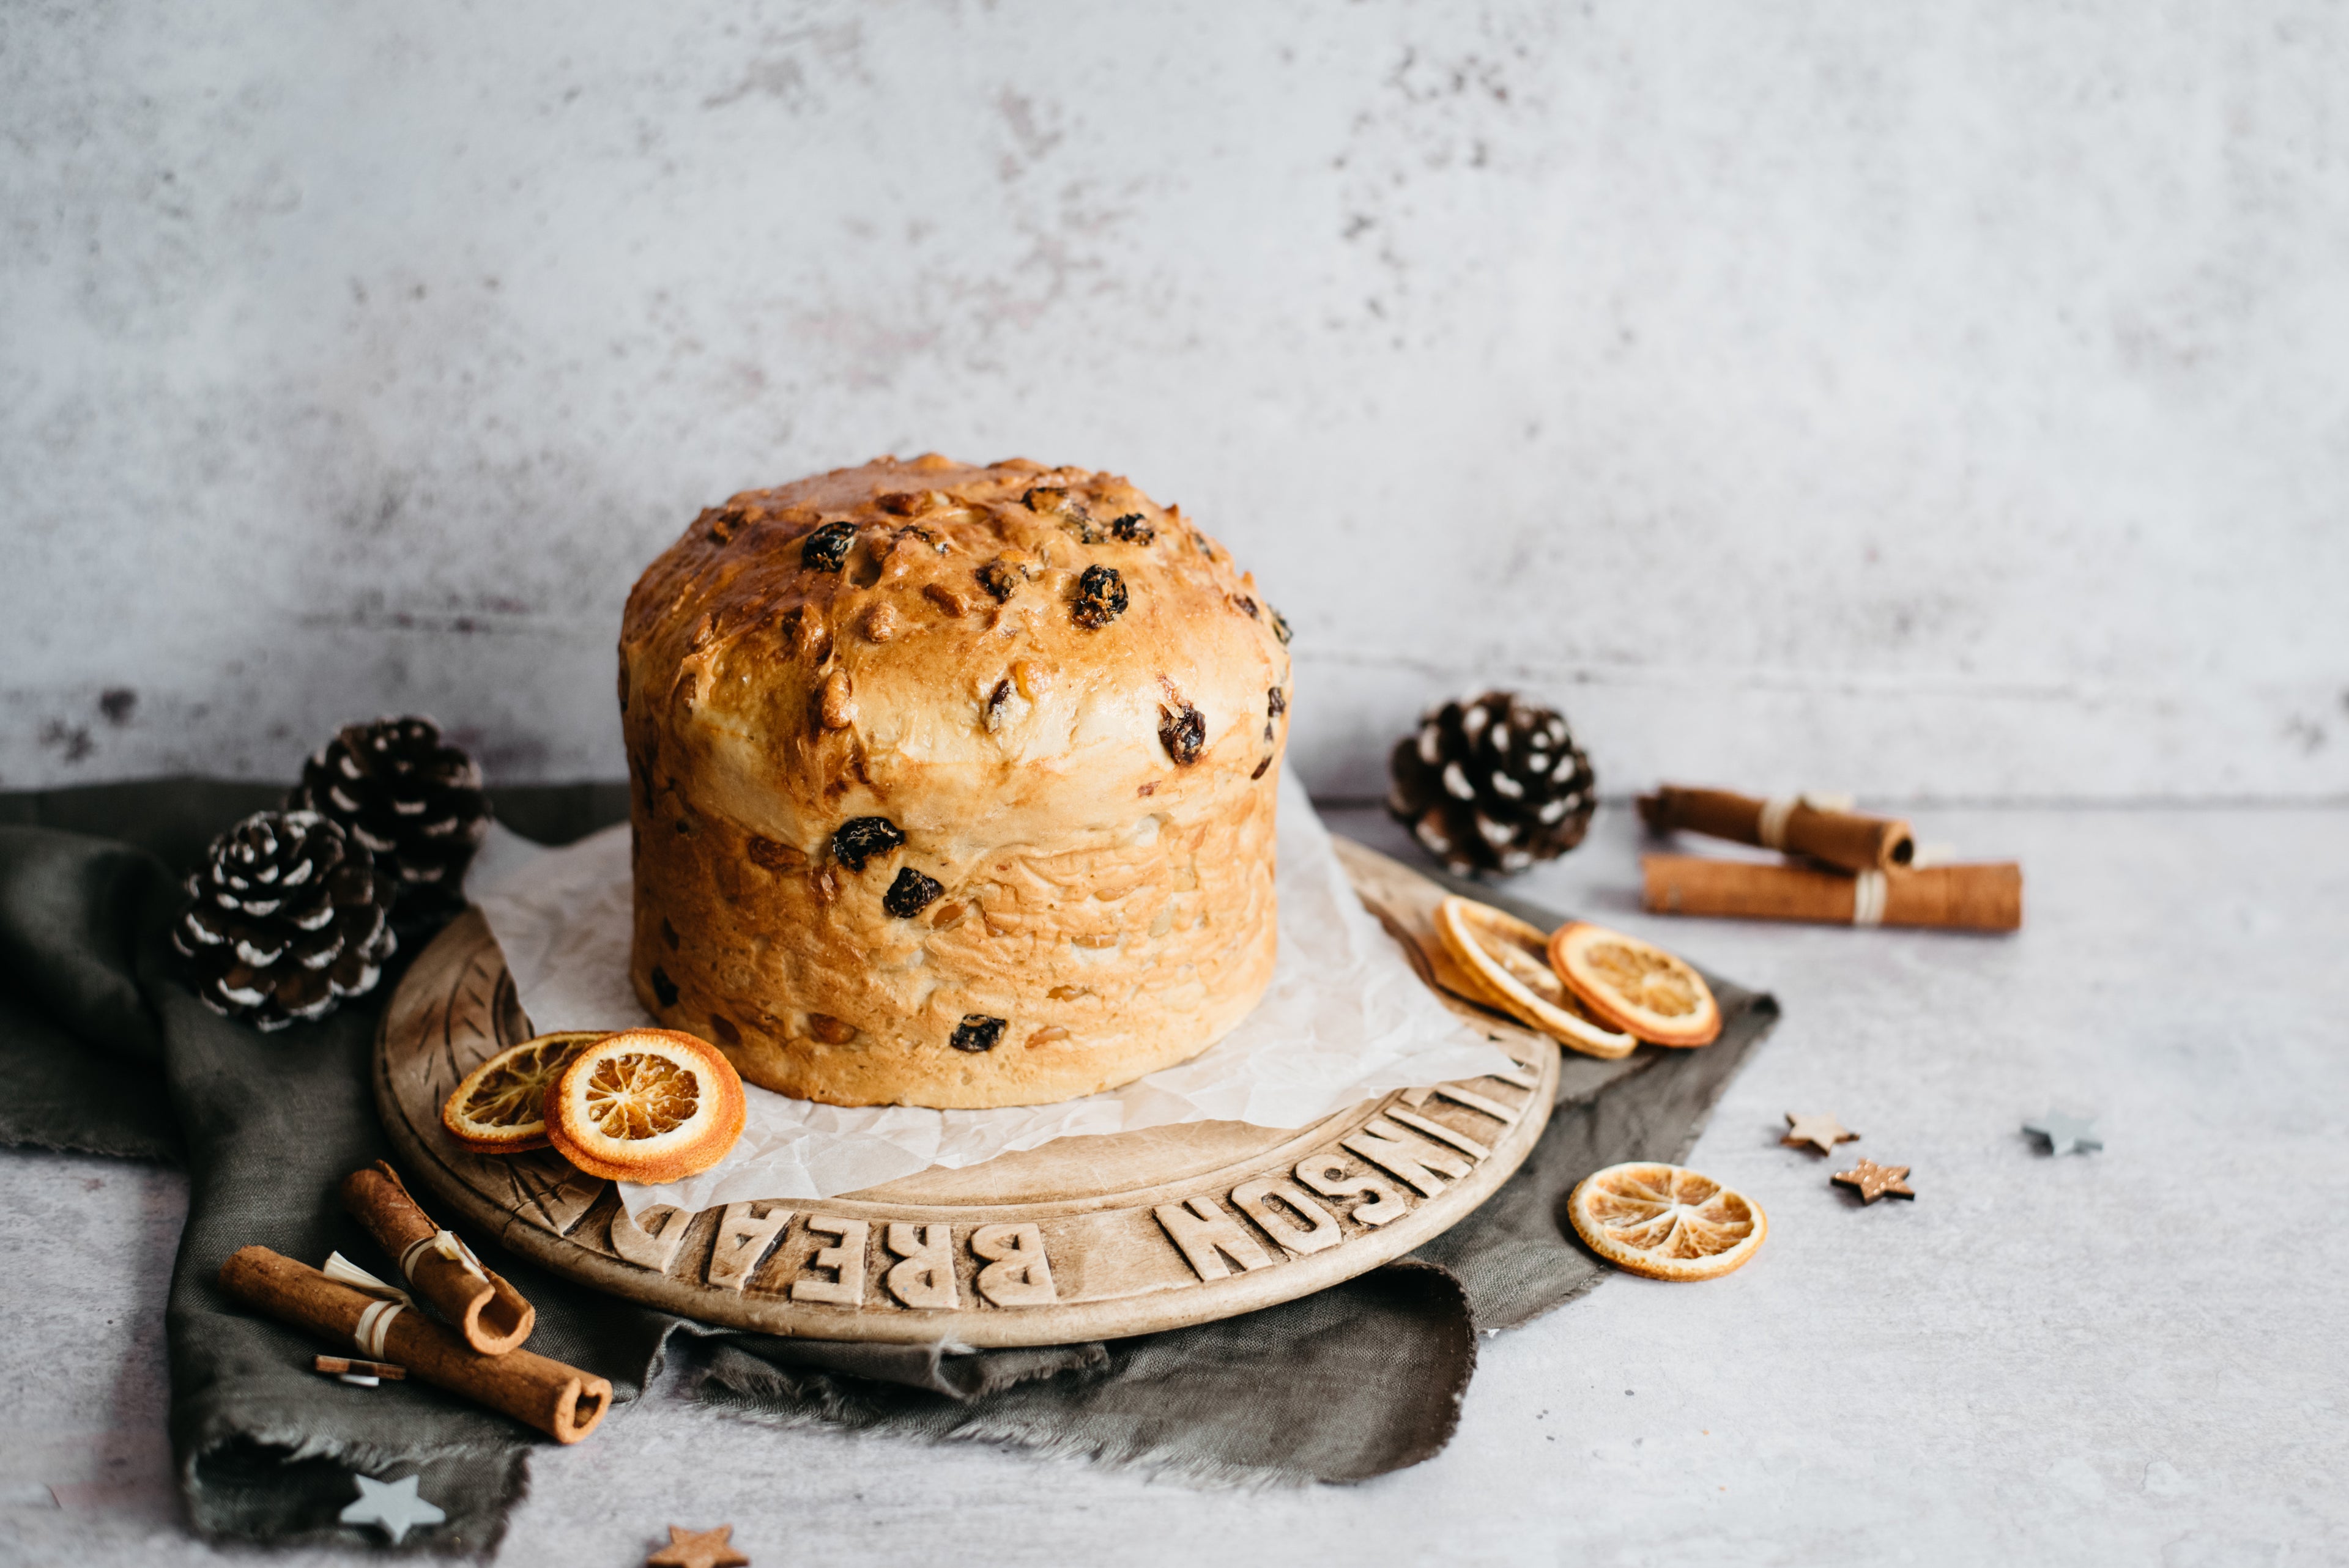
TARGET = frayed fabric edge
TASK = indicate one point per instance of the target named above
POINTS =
(1206, 1475)
(735, 1391)
(294, 1447)
(174, 1157)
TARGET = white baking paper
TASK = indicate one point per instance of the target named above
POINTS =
(1344, 1020)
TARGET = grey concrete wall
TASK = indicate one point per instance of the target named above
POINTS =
(1934, 401)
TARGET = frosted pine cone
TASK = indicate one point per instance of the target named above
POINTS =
(289, 917)
(1492, 783)
(412, 800)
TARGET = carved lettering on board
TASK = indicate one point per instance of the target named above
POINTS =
(1017, 1271)
(924, 1275)
(650, 1240)
(1437, 1130)
(1382, 1143)
(745, 1232)
(846, 1261)
(1254, 1199)
(1474, 1102)
(1208, 1235)
(1327, 1174)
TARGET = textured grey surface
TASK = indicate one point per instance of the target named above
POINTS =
(2135, 1355)
(1939, 401)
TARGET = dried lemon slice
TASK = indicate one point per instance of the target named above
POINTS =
(1509, 960)
(1666, 1221)
(1635, 985)
(646, 1105)
(498, 1107)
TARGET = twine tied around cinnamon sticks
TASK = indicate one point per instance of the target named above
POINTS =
(489, 1312)
(1819, 827)
(1844, 868)
(563, 1402)
(476, 1354)
(375, 1321)
(447, 1244)
(1868, 892)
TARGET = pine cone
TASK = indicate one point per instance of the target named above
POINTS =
(414, 800)
(1493, 783)
(289, 917)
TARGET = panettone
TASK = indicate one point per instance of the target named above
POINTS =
(952, 786)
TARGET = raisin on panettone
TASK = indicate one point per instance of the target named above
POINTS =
(414, 800)
(289, 917)
(1492, 783)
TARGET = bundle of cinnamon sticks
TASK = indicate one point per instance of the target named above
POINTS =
(1842, 867)
(472, 1350)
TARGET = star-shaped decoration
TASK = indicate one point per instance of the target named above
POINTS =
(698, 1549)
(392, 1504)
(1872, 1181)
(2066, 1134)
(1816, 1128)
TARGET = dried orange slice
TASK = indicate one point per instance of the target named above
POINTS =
(645, 1104)
(498, 1107)
(1458, 978)
(1666, 1221)
(1510, 962)
(1635, 985)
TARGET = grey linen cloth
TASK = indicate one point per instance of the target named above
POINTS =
(104, 1051)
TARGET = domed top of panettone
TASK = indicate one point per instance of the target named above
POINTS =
(948, 646)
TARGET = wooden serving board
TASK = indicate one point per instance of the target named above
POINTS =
(1086, 1238)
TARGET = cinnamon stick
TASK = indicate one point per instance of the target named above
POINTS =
(351, 1367)
(1844, 839)
(1987, 897)
(561, 1401)
(489, 1312)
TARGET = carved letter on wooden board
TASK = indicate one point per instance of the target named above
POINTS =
(650, 1240)
(1437, 1130)
(1327, 1174)
(924, 1275)
(1476, 1102)
(1208, 1235)
(1382, 1143)
(846, 1261)
(1254, 1199)
(1017, 1273)
(744, 1234)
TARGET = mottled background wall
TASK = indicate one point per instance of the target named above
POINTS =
(1945, 401)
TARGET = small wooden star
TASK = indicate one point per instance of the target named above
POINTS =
(1872, 1181)
(698, 1549)
(2066, 1134)
(394, 1505)
(1816, 1128)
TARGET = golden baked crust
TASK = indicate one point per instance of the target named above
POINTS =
(1065, 709)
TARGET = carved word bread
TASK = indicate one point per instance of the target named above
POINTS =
(952, 786)
(1361, 1175)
